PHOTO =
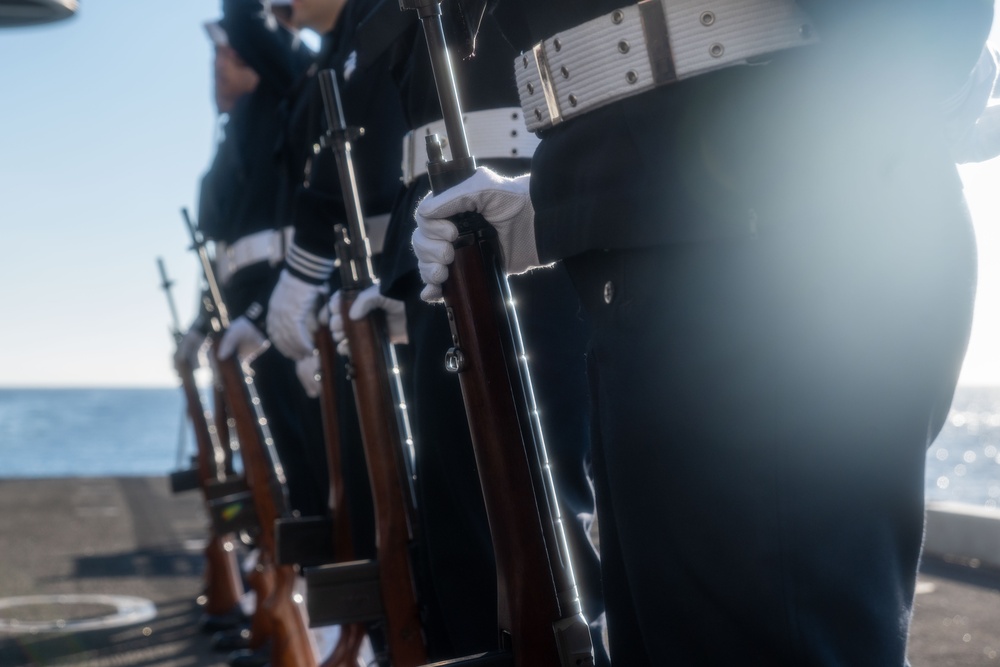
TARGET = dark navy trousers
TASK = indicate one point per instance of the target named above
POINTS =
(762, 409)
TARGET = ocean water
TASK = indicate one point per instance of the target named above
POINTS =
(963, 464)
(89, 432)
(97, 432)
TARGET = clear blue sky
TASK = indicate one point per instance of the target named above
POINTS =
(106, 125)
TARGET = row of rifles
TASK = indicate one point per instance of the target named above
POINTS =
(540, 623)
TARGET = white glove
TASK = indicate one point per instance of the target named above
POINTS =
(368, 299)
(243, 338)
(188, 349)
(307, 368)
(395, 312)
(504, 202)
(291, 315)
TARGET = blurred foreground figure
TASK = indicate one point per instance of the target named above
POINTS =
(758, 205)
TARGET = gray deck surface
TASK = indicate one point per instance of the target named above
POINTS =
(129, 536)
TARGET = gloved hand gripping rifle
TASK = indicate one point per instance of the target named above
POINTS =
(540, 618)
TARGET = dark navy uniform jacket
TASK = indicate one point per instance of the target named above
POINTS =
(259, 201)
(306, 181)
(239, 191)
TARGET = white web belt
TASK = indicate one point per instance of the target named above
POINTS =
(492, 133)
(649, 44)
(266, 245)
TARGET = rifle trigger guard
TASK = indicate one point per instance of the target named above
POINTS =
(454, 360)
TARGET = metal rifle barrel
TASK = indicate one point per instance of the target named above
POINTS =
(444, 78)
(198, 245)
(355, 256)
(340, 137)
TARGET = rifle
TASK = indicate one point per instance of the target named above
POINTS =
(377, 390)
(540, 617)
(314, 541)
(223, 584)
(352, 634)
(277, 617)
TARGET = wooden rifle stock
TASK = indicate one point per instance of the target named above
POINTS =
(352, 634)
(380, 433)
(277, 616)
(378, 408)
(223, 584)
(540, 616)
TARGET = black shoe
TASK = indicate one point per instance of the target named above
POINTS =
(234, 639)
(211, 623)
(248, 658)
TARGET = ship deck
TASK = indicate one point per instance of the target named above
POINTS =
(129, 537)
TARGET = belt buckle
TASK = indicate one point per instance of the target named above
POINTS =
(657, 34)
(545, 77)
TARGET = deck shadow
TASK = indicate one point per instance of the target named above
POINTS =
(149, 562)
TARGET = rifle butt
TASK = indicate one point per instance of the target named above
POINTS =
(224, 585)
(292, 645)
(262, 582)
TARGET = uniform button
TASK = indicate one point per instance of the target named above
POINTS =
(609, 292)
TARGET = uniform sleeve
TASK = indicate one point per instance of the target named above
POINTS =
(371, 101)
(276, 54)
(317, 207)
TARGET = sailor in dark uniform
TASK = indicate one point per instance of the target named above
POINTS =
(457, 551)
(237, 211)
(757, 205)
(312, 203)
